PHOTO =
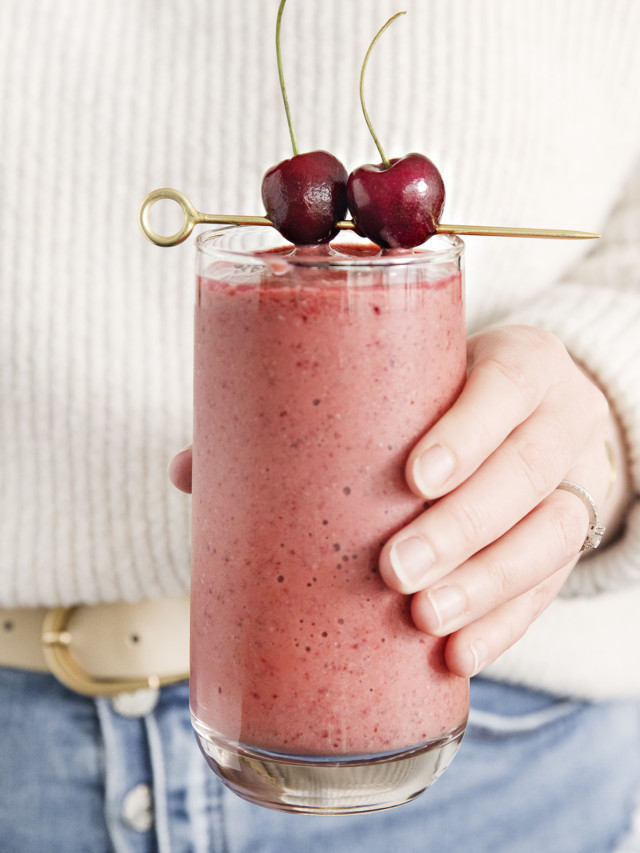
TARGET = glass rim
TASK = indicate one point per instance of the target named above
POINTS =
(441, 248)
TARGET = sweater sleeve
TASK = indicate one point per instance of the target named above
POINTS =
(595, 311)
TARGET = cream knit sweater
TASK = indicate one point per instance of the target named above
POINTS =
(530, 109)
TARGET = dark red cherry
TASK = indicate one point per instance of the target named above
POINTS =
(305, 196)
(399, 206)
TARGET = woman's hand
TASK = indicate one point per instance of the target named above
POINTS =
(180, 469)
(498, 543)
(492, 552)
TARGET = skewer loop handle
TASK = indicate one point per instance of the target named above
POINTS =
(191, 216)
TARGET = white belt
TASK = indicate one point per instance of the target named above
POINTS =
(101, 650)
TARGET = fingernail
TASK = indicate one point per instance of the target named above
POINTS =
(411, 560)
(447, 602)
(433, 468)
(479, 654)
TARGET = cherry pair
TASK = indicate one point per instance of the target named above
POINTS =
(396, 205)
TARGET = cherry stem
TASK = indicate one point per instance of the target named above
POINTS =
(283, 88)
(385, 159)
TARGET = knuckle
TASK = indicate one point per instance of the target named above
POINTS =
(517, 623)
(545, 347)
(540, 597)
(568, 528)
(523, 611)
(470, 525)
(543, 593)
(516, 374)
(538, 600)
(544, 339)
(527, 358)
(503, 578)
(533, 462)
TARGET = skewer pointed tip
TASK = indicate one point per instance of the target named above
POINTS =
(499, 231)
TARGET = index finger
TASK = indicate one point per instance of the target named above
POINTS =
(511, 371)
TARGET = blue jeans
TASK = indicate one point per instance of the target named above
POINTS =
(533, 774)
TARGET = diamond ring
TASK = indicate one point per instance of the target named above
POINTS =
(596, 529)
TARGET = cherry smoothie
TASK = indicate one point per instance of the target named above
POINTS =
(315, 373)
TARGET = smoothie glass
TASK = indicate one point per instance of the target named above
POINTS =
(316, 370)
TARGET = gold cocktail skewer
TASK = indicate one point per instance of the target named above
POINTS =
(501, 231)
(193, 217)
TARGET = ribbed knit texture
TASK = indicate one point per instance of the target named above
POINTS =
(529, 109)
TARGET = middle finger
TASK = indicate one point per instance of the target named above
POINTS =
(527, 467)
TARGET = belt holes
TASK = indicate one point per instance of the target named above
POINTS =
(8, 625)
(134, 639)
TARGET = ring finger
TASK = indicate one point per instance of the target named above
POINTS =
(506, 569)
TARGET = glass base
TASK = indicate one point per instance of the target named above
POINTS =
(327, 785)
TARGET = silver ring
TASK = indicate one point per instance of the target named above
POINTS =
(596, 529)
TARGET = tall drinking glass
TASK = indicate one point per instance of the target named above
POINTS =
(316, 371)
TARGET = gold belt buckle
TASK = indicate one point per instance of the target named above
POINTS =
(56, 642)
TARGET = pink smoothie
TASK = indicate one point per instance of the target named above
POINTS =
(308, 396)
